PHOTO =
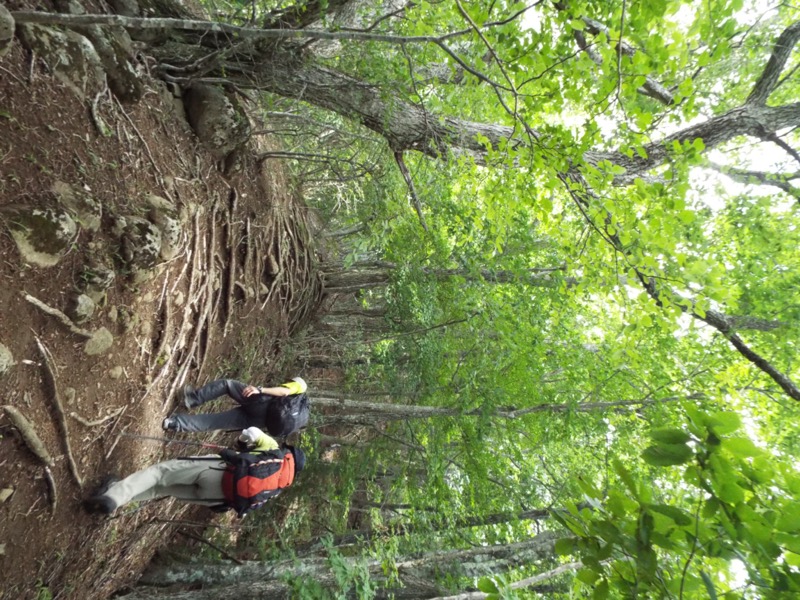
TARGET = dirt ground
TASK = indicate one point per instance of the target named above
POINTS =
(226, 304)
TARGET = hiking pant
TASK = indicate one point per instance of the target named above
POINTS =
(251, 412)
(195, 479)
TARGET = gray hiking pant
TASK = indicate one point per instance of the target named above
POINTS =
(251, 412)
(195, 479)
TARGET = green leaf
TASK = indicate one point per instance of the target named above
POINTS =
(742, 447)
(724, 422)
(730, 492)
(665, 455)
(487, 585)
(565, 546)
(710, 508)
(626, 477)
(600, 591)
(577, 24)
(712, 593)
(788, 541)
(588, 576)
(789, 518)
(668, 435)
(792, 559)
(590, 490)
(680, 516)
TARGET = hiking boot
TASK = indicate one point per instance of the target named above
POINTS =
(100, 505)
(190, 399)
(169, 424)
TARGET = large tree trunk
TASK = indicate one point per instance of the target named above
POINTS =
(253, 578)
(259, 62)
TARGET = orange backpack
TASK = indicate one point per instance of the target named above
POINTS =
(250, 480)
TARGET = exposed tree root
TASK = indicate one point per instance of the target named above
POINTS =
(35, 445)
(234, 198)
(58, 315)
(83, 421)
(62, 418)
(29, 435)
(51, 488)
(214, 294)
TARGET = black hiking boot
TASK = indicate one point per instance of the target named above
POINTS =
(99, 503)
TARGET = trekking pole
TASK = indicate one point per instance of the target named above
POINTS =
(171, 441)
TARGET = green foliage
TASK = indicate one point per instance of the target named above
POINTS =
(526, 306)
(350, 579)
(737, 516)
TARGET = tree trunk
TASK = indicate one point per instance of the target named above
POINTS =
(472, 562)
(368, 411)
(366, 535)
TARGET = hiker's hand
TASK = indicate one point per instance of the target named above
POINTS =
(250, 390)
(228, 455)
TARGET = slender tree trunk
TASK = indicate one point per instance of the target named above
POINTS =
(367, 535)
(368, 411)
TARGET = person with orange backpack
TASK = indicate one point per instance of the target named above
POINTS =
(242, 479)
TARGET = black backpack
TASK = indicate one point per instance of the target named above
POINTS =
(287, 414)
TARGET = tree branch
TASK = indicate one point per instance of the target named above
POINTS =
(772, 136)
(398, 156)
(749, 177)
(777, 60)
(663, 295)
(302, 14)
(651, 88)
(517, 585)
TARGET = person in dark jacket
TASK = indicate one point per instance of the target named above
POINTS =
(280, 410)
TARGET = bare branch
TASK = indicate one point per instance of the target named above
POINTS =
(747, 120)
(724, 325)
(772, 136)
(777, 60)
(398, 156)
(749, 177)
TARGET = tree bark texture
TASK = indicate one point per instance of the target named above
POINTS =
(252, 575)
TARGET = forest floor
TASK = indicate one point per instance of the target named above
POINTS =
(226, 304)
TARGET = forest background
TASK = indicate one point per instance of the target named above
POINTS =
(561, 253)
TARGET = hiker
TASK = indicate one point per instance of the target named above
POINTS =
(240, 480)
(280, 410)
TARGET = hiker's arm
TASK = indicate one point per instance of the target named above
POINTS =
(230, 456)
(271, 391)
